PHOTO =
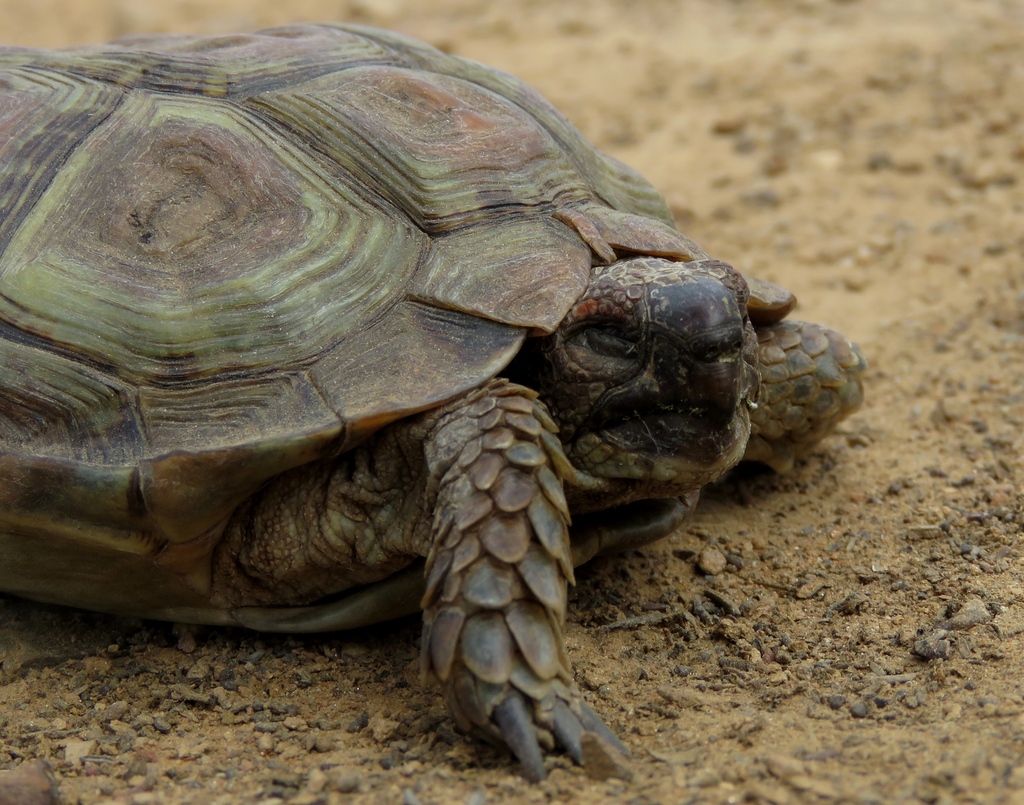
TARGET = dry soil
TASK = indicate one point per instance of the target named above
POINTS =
(850, 632)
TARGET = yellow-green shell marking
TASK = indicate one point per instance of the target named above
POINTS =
(224, 257)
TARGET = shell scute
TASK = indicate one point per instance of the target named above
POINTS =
(433, 145)
(215, 227)
(63, 408)
(43, 118)
(528, 268)
(613, 182)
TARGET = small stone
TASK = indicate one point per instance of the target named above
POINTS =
(934, 646)
(114, 712)
(345, 781)
(972, 613)
(316, 780)
(74, 751)
(187, 642)
(836, 702)
(31, 783)
(601, 760)
(711, 561)
(265, 744)
(324, 743)
(199, 671)
(383, 729)
(859, 710)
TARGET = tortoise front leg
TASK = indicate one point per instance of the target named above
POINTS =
(811, 379)
(495, 599)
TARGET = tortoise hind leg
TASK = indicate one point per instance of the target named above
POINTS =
(811, 379)
(497, 575)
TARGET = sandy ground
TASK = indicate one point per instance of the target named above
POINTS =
(862, 639)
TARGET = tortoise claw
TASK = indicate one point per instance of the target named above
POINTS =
(592, 722)
(516, 725)
(568, 730)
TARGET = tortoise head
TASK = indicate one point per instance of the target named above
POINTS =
(651, 373)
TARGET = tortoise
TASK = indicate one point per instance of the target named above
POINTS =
(310, 328)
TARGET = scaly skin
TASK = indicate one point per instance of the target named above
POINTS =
(810, 381)
(331, 526)
(494, 606)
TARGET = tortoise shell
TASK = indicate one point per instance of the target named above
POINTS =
(221, 258)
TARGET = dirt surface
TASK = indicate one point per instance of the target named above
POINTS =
(850, 632)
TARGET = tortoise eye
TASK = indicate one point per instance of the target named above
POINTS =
(608, 340)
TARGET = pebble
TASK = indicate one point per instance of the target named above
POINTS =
(383, 729)
(934, 646)
(345, 781)
(836, 702)
(972, 613)
(712, 561)
(187, 642)
(323, 743)
(265, 744)
(316, 780)
(114, 712)
(74, 751)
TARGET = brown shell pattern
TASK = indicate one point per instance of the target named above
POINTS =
(223, 257)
